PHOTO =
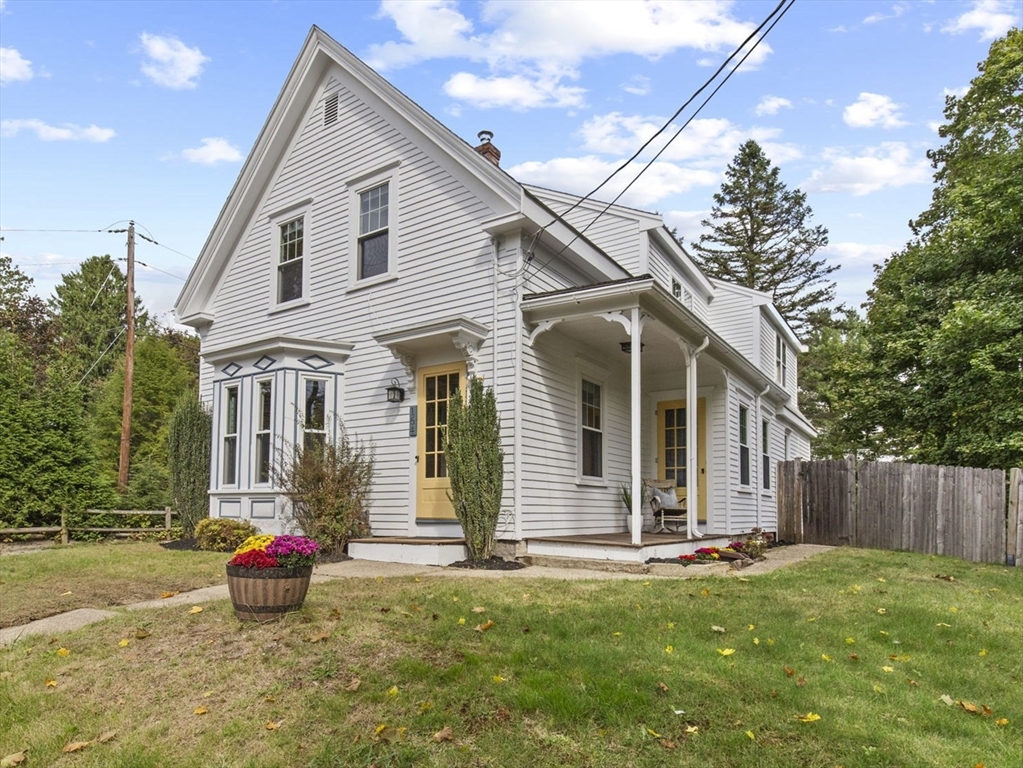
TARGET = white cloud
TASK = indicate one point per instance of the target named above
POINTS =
(521, 42)
(708, 143)
(638, 84)
(891, 164)
(579, 175)
(687, 223)
(66, 132)
(897, 10)
(516, 92)
(957, 92)
(14, 67)
(992, 17)
(213, 151)
(171, 63)
(857, 261)
(771, 105)
(873, 109)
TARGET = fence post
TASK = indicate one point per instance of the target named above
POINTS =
(166, 521)
(64, 537)
(1014, 532)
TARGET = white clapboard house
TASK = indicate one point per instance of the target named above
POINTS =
(368, 260)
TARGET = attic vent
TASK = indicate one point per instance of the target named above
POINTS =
(330, 110)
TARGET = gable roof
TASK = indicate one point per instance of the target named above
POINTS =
(320, 55)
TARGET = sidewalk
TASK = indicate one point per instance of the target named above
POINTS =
(368, 569)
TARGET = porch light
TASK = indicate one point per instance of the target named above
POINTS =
(627, 347)
(395, 394)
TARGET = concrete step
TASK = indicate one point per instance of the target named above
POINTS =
(610, 566)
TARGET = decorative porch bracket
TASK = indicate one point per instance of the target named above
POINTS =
(470, 348)
(625, 320)
(543, 325)
(408, 362)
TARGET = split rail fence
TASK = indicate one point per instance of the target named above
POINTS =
(969, 513)
(65, 530)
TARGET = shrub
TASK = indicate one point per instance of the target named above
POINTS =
(188, 448)
(216, 534)
(475, 467)
(327, 486)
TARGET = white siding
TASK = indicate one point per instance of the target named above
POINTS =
(664, 269)
(731, 316)
(616, 235)
(445, 268)
(768, 356)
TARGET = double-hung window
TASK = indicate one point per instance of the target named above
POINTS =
(264, 433)
(765, 453)
(230, 433)
(291, 260)
(743, 445)
(591, 418)
(374, 205)
(781, 360)
(314, 425)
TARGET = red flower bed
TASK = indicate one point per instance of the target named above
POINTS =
(254, 558)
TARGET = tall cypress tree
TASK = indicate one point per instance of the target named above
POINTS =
(761, 237)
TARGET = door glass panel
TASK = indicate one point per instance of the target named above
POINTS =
(675, 445)
(438, 391)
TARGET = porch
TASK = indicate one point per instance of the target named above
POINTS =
(597, 547)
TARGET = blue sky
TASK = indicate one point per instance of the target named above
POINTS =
(112, 111)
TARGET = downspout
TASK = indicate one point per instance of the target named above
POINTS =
(760, 433)
(692, 443)
(496, 336)
(517, 400)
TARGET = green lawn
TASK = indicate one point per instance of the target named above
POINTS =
(621, 673)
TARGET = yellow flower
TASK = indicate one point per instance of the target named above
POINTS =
(261, 541)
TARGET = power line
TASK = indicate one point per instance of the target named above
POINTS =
(675, 136)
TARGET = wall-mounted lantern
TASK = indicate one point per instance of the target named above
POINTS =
(395, 394)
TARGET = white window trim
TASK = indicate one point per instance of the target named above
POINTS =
(257, 413)
(747, 486)
(589, 375)
(386, 175)
(224, 434)
(765, 450)
(298, 210)
(781, 362)
(328, 395)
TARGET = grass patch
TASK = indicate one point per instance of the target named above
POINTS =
(600, 674)
(35, 585)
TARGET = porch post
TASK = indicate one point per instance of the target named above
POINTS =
(636, 332)
(692, 462)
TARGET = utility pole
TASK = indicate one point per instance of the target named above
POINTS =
(129, 367)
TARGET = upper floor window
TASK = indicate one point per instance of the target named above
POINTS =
(291, 252)
(765, 451)
(743, 445)
(373, 231)
(781, 362)
(676, 289)
(230, 433)
(591, 456)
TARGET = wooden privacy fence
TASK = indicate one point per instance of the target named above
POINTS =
(65, 530)
(959, 511)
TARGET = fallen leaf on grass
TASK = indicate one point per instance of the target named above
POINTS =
(106, 736)
(479, 609)
(1002, 721)
(165, 595)
(882, 611)
(973, 709)
(825, 657)
(716, 628)
(273, 726)
(142, 634)
(669, 649)
(426, 706)
(726, 651)
(388, 734)
(888, 669)
(854, 657)
(50, 683)
(497, 679)
(752, 736)
(195, 609)
(124, 642)
(692, 729)
(878, 688)
(662, 687)
(353, 686)
(801, 682)
(200, 711)
(667, 744)
(461, 620)
(653, 733)
(12, 760)
(77, 746)
(63, 652)
(809, 717)
(943, 577)
(789, 671)
(392, 691)
(949, 701)
(317, 637)
(485, 626)
(444, 734)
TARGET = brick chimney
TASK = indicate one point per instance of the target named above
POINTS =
(488, 150)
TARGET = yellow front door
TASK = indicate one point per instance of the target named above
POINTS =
(671, 447)
(435, 387)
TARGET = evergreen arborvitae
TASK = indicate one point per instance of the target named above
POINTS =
(761, 237)
(475, 466)
(188, 446)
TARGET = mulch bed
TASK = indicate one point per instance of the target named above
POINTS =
(190, 545)
(490, 564)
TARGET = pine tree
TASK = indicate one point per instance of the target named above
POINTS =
(761, 237)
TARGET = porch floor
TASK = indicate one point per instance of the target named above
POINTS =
(618, 539)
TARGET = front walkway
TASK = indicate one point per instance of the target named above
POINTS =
(368, 569)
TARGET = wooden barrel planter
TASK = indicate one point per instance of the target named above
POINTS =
(266, 594)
